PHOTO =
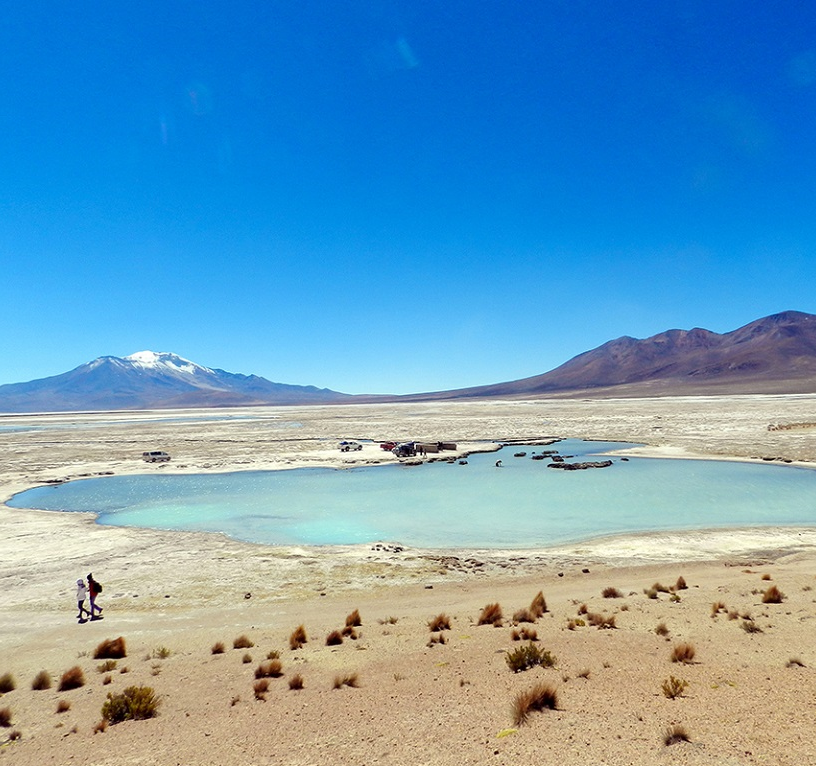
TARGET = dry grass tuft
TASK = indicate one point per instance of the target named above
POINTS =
(101, 727)
(717, 607)
(261, 687)
(660, 588)
(611, 593)
(350, 679)
(683, 653)
(15, 735)
(437, 638)
(766, 576)
(749, 626)
(773, 596)
(349, 632)
(41, 681)
(107, 679)
(298, 637)
(538, 606)
(5, 717)
(111, 649)
(674, 687)
(72, 678)
(269, 669)
(523, 615)
(247, 658)
(528, 634)
(7, 683)
(576, 623)
(601, 621)
(585, 673)
(583, 609)
(217, 648)
(661, 629)
(650, 592)
(106, 666)
(242, 642)
(681, 583)
(542, 696)
(296, 682)
(334, 638)
(136, 703)
(675, 734)
(63, 706)
(354, 620)
(274, 654)
(491, 615)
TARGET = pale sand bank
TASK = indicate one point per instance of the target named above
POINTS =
(415, 704)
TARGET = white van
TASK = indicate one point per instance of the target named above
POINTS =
(155, 457)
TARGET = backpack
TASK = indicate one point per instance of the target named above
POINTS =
(99, 587)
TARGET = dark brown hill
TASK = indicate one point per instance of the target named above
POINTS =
(776, 354)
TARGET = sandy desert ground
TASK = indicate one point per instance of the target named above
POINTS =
(751, 694)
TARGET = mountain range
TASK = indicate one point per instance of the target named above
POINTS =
(776, 354)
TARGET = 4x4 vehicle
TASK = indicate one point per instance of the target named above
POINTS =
(350, 446)
(155, 457)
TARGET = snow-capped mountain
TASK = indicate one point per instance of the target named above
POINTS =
(150, 380)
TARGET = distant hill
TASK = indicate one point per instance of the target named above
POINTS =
(149, 380)
(776, 354)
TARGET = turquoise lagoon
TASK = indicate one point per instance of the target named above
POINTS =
(522, 504)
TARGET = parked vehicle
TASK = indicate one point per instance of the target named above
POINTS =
(155, 456)
(387, 446)
(346, 446)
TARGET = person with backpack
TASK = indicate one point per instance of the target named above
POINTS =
(94, 589)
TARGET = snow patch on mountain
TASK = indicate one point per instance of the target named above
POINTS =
(150, 360)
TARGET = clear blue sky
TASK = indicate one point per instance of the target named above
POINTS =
(398, 195)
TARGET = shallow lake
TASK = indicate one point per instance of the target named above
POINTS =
(522, 504)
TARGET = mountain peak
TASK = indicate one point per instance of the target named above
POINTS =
(153, 360)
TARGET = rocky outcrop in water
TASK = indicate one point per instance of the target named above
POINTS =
(580, 466)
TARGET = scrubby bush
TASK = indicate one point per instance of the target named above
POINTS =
(749, 626)
(611, 593)
(680, 584)
(41, 681)
(161, 653)
(247, 658)
(217, 648)
(528, 656)
(269, 669)
(661, 629)
(542, 696)
(63, 706)
(111, 649)
(7, 683)
(601, 621)
(334, 638)
(296, 682)
(273, 654)
(491, 615)
(261, 687)
(717, 607)
(354, 620)
(675, 734)
(440, 622)
(538, 606)
(683, 653)
(674, 687)
(298, 637)
(350, 679)
(773, 596)
(242, 642)
(72, 678)
(5, 717)
(135, 703)
(523, 615)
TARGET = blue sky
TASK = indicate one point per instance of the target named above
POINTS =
(398, 196)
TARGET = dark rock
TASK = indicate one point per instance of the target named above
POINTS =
(580, 466)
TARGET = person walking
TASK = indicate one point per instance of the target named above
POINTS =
(82, 594)
(94, 589)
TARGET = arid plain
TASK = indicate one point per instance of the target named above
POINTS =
(751, 693)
